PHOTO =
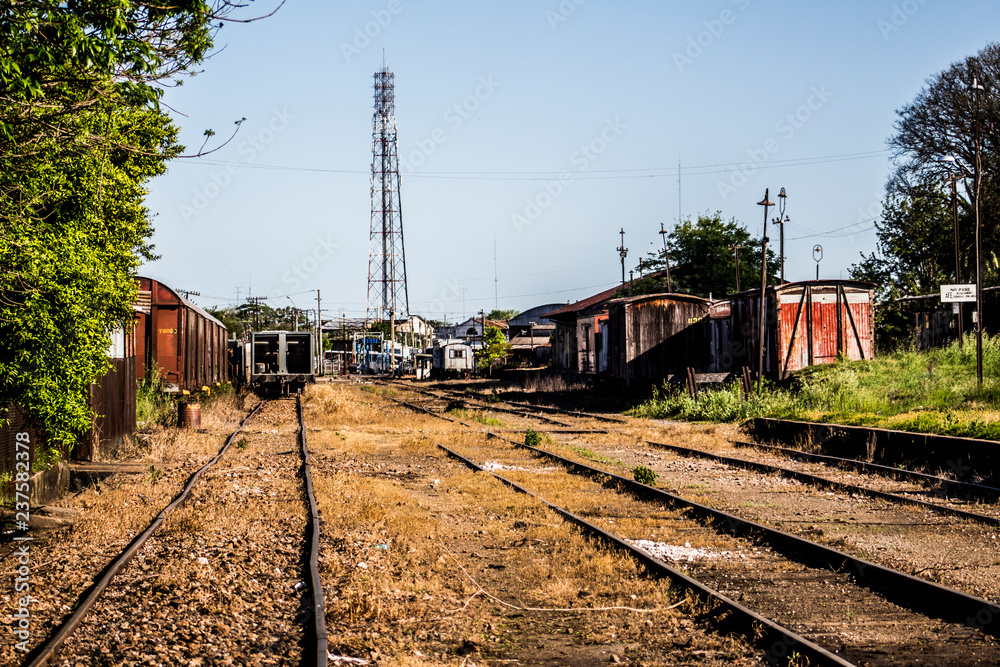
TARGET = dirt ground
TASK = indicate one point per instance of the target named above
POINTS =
(427, 562)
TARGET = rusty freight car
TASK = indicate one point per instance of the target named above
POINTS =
(805, 323)
(654, 336)
(177, 339)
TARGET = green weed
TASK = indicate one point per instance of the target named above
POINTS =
(644, 475)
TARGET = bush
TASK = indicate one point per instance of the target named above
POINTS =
(644, 475)
(532, 439)
(152, 406)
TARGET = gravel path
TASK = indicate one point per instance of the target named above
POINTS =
(220, 582)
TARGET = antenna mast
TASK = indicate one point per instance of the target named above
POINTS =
(388, 298)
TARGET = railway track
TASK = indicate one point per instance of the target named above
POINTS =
(227, 572)
(823, 601)
(861, 570)
(931, 492)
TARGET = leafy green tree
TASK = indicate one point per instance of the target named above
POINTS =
(915, 249)
(80, 135)
(940, 123)
(494, 351)
(702, 262)
(502, 315)
(74, 246)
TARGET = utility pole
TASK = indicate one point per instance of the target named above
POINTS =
(766, 203)
(255, 301)
(188, 293)
(666, 254)
(958, 266)
(622, 252)
(976, 88)
(736, 254)
(319, 332)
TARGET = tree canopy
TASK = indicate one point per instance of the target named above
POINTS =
(494, 351)
(916, 239)
(702, 262)
(81, 133)
(502, 315)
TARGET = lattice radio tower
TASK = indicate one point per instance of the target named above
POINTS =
(387, 294)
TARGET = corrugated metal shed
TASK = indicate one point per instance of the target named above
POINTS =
(112, 398)
(656, 335)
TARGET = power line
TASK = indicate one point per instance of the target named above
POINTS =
(608, 174)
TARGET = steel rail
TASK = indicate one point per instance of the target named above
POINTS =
(908, 591)
(967, 489)
(816, 480)
(728, 615)
(316, 640)
(531, 406)
(562, 411)
(45, 652)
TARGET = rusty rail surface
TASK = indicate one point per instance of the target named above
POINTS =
(911, 592)
(816, 480)
(316, 641)
(948, 486)
(45, 652)
(761, 632)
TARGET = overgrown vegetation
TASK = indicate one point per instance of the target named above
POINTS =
(152, 406)
(935, 391)
(81, 135)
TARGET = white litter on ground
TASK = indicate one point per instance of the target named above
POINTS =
(675, 553)
(492, 466)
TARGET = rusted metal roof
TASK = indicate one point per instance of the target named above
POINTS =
(599, 298)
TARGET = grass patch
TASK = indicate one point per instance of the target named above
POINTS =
(721, 404)
(462, 413)
(934, 391)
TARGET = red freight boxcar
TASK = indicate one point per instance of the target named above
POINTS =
(186, 345)
(805, 323)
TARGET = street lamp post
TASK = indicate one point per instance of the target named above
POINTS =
(295, 312)
(622, 252)
(766, 203)
(780, 221)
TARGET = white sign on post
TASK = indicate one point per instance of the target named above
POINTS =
(950, 293)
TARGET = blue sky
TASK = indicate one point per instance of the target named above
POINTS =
(547, 126)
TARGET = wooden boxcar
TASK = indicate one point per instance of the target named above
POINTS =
(654, 336)
(805, 323)
(176, 338)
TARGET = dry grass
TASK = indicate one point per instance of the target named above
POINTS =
(423, 555)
